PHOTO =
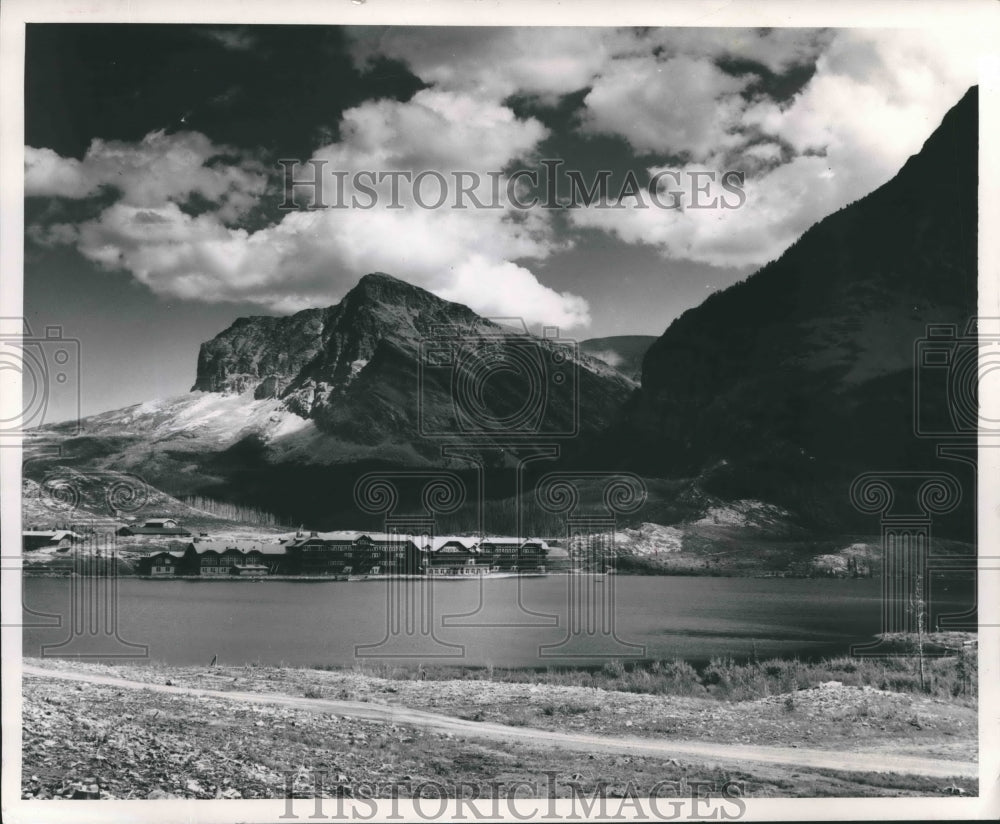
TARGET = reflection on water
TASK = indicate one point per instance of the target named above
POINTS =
(505, 622)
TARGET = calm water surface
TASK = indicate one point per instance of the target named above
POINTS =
(507, 622)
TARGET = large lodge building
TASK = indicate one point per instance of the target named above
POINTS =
(346, 553)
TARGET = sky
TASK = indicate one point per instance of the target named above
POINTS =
(153, 195)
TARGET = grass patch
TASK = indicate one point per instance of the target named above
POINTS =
(951, 675)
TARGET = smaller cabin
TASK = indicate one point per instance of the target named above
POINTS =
(161, 523)
(154, 528)
(32, 539)
(160, 564)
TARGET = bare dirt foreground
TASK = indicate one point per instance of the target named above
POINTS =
(93, 731)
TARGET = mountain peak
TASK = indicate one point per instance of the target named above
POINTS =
(380, 277)
(322, 350)
(356, 370)
(382, 287)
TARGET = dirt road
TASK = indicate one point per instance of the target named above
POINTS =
(709, 753)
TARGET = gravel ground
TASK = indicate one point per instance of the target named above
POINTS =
(830, 716)
(93, 741)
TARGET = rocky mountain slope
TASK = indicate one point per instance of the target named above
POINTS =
(310, 352)
(789, 384)
(623, 352)
(286, 413)
(390, 353)
(779, 390)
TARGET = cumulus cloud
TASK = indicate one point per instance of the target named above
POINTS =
(679, 106)
(690, 96)
(494, 63)
(48, 174)
(160, 168)
(778, 50)
(660, 89)
(497, 62)
(434, 130)
(780, 205)
(874, 98)
(312, 258)
(694, 95)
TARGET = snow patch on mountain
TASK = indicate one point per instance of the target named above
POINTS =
(649, 539)
(744, 512)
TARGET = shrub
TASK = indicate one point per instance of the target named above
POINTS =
(953, 677)
(613, 669)
(518, 718)
(903, 682)
(680, 678)
(716, 676)
(574, 709)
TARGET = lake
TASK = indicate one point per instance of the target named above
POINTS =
(506, 622)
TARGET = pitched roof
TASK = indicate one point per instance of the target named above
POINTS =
(176, 553)
(54, 534)
(435, 544)
(351, 535)
(244, 547)
(156, 530)
(440, 541)
(508, 539)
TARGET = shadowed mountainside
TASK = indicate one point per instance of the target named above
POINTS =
(623, 352)
(789, 384)
(781, 389)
